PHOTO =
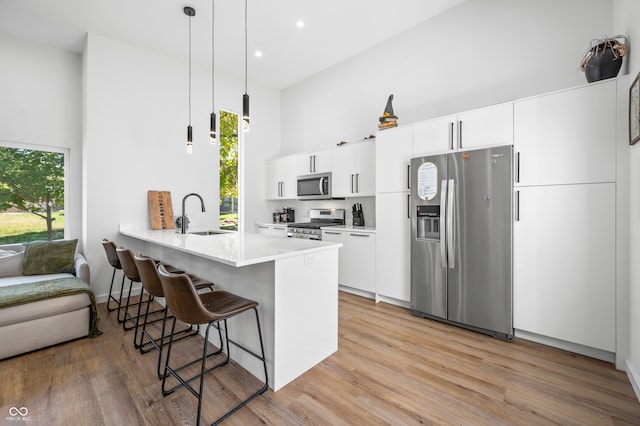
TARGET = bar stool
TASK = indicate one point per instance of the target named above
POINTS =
(114, 261)
(151, 283)
(131, 272)
(209, 308)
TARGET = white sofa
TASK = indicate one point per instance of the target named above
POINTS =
(35, 325)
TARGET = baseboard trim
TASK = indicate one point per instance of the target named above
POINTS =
(634, 379)
(567, 346)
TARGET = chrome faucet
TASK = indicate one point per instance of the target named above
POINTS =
(183, 218)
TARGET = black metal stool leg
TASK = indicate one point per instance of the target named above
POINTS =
(111, 297)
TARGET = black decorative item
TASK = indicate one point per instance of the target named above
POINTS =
(634, 111)
(603, 58)
(388, 118)
(245, 97)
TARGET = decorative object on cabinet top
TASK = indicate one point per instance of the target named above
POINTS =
(634, 111)
(388, 119)
(603, 58)
(364, 139)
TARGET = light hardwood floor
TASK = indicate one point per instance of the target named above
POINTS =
(391, 368)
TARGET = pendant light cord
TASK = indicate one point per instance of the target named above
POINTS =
(189, 70)
(245, 46)
(213, 86)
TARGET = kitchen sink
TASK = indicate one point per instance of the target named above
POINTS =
(210, 232)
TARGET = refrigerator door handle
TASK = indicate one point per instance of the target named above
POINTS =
(443, 230)
(451, 249)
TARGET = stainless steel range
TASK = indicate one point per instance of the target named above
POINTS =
(317, 218)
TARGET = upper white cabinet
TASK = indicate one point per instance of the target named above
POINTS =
(478, 128)
(281, 174)
(353, 172)
(314, 162)
(393, 156)
(435, 136)
(486, 127)
(566, 137)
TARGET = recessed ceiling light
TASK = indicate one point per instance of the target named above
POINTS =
(258, 54)
(300, 24)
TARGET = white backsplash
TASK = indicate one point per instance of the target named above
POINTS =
(302, 208)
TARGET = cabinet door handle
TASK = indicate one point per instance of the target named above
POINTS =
(359, 235)
(352, 184)
(518, 166)
(451, 134)
(332, 233)
(460, 134)
(408, 176)
(517, 203)
(311, 164)
(263, 227)
(314, 163)
(408, 206)
(358, 183)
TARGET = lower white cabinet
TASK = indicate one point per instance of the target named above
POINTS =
(271, 230)
(564, 263)
(393, 227)
(356, 259)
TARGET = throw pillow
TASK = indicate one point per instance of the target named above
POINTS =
(10, 264)
(49, 257)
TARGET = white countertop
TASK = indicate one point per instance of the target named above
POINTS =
(232, 248)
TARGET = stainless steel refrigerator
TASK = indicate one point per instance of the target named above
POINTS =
(461, 239)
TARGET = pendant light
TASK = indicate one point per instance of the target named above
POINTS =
(190, 12)
(245, 97)
(212, 131)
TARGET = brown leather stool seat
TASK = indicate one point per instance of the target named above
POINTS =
(151, 283)
(208, 308)
(114, 261)
(133, 275)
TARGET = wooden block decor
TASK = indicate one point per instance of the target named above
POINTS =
(161, 210)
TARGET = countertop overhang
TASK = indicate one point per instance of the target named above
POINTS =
(232, 248)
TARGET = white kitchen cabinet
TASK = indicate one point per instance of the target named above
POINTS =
(435, 136)
(566, 137)
(353, 173)
(274, 230)
(564, 263)
(314, 162)
(280, 178)
(338, 237)
(478, 128)
(356, 259)
(393, 156)
(486, 127)
(393, 227)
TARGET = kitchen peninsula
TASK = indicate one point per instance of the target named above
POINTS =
(295, 281)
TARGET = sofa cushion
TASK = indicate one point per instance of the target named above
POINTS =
(49, 257)
(10, 263)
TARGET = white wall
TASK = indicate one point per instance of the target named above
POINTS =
(40, 106)
(135, 120)
(626, 15)
(479, 53)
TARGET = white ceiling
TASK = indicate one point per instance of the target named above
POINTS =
(334, 29)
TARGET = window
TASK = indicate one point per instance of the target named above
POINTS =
(228, 170)
(32, 188)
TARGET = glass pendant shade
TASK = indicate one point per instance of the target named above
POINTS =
(212, 132)
(245, 112)
(189, 139)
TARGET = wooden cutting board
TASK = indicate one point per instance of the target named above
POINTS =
(161, 210)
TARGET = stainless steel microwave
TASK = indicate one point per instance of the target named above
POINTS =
(314, 187)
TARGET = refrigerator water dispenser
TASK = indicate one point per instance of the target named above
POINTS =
(428, 225)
